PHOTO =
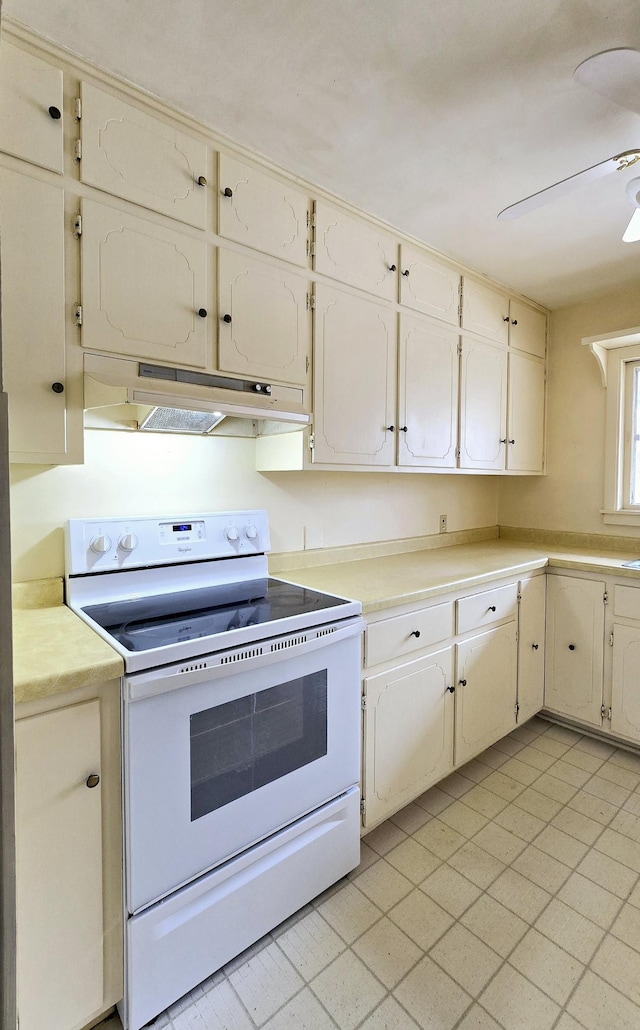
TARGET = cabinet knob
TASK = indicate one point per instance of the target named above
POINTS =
(404, 429)
(462, 683)
(392, 268)
(202, 312)
(227, 319)
(415, 633)
(451, 689)
(390, 429)
(534, 647)
(506, 318)
(55, 113)
(511, 441)
(57, 387)
(504, 441)
(201, 180)
(491, 608)
(514, 321)
(572, 647)
(406, 271)
(93, 780)
(228, 192)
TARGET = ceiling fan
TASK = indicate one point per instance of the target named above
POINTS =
(614, 74)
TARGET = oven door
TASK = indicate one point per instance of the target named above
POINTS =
(216, 759)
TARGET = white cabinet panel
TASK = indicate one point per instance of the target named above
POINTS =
(143, 286)
(59, 868)
(483, 405)
(429, 285)
(485, 311)
(527, 328)
(408, 733)
(489, 606)
(625, 696)
(427, 394)
(264, 327)
(354, 252)
(260, 211)
(131, 154)
(531, 647)
(485, 690)
(33, 324)
(30, 108)
(354, 379)
(401, 635)
(525, 415)
(574, 660)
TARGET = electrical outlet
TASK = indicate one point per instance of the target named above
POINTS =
(443, 523)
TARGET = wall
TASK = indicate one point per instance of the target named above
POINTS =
(570, 497)
(135, 474)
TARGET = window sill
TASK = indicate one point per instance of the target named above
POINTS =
(622, 517)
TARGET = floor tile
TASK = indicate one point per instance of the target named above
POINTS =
(547, 872)
(634, 897)
(563, 734)
(387, 952)
(596, 747)
(537, 759)
(494, 758)
(517, 1003)
(627, 823)
(504, 786)
(524, 734)
(463, 819)
(632, 804)
(626, 759)
(605, 790)
(310, 945)
(484, 801)
(450, 890)
(383, 884)
(302, 1011)
(519, 822)
(554, 788)
(421, 919)
(551, 747)
(606, 871)
(412, 860)
(411, 818)
(520, 771)
(466, 959)
(494, 924)
(561, 845)
(598, 1006)
(575, 756)
(218, 1009)
(434, 800)
(265, 983)
(619, 965)
(619, 847)
(617, 774)
(384, 837)
(577, 825)
(519, 895)
(569, 773)
(455, 784)
(367, 857)
(567, 1022)
(509, 745)
(572, 931)
(439, 838)
(476, 770)
(547, 965)
(539, 805)
(499, 842)
(347, 990)
(593, 807)
(590, 900)
(389, 1015)
(478, 1019)
(434, 1000)
(349, 912)
(627, 926)
(476, 864)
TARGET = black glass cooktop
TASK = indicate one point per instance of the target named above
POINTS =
(142, 623)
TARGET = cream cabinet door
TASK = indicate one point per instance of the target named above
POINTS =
(483, 405)
(531, 647)
(525, 414)
(31, 108)
(355, 252)
(264, 326)
(59, 868)
(485, 311)
(574, 659)
(427, 394)
(33, 326)
(408, 733)
(625, 697)
(260, 211)
(527, 328)
(131, 154)
(143, 286)
(354, 380)
(429, 285)
(485, 690)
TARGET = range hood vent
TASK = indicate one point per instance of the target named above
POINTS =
(121, 393)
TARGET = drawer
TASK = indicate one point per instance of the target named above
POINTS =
(479, 610)
(394, 638)
(626, 602)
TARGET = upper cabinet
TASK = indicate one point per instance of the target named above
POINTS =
(264, 320)
(145, 288)
(527, 328)
(485, 311)
(31, 108)
(525, 414)
(429, 285)
(261, 211)
(139, 157)
(483, 405)
(427, 393)
(355, 252)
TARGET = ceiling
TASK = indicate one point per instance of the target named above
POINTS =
(431, 114)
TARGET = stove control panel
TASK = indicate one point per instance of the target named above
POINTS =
(110, 544)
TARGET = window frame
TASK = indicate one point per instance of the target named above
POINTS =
(621, 365)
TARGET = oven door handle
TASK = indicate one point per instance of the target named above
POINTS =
(215, 666)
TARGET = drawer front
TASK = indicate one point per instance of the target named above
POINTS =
(490, 606)
(394, 638)
(626, 602)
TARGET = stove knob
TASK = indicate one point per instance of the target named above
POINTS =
(128, 542)
(232, 534)
(100, 544)
(250, 532)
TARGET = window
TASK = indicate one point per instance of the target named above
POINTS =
(631, 437)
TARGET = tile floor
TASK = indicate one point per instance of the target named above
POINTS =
(506, 897)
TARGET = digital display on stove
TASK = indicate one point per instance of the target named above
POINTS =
(144, 623)
(185, 527)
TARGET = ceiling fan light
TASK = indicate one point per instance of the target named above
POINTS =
(633, 191)
(632, 232)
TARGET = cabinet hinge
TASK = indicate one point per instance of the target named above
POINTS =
(605, 712)
(363, 702)
(460, 312)
(611, 639)
(605, 599)
(306, 363)
(77, 314)
(363, 808)
(78, 109)
(78, 150)
(311, 248)
(311, 302)
(77, 226)
(459, 349)
(312, 441)
(457, 452)
(518, 597)
(311, 218)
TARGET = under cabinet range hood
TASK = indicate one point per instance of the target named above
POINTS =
(122, 393)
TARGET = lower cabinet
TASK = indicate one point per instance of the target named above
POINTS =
(575, 645)
(68, 862)
(531, 646)
(485, 690)
(625, 692)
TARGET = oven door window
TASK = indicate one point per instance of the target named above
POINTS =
(242, 745)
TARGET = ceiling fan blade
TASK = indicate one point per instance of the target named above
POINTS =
(632, 232)
(614, 74)
(559, 189)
